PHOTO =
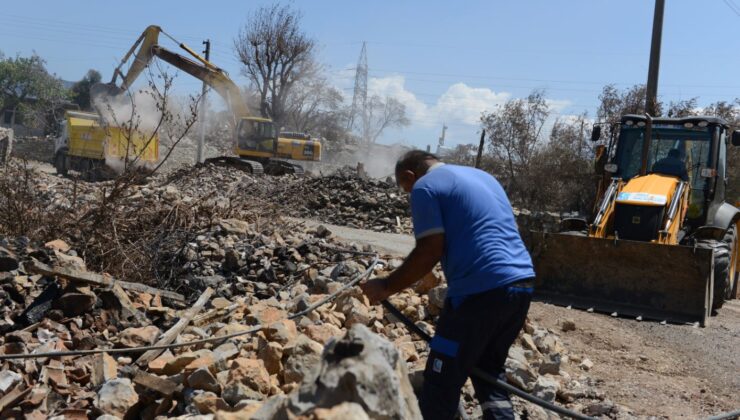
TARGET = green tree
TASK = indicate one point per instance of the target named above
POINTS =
(81, 89)
(27, 87)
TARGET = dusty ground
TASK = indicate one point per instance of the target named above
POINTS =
(676, 371)
(667, 371)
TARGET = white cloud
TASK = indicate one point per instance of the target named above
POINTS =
(460, 106)
(460, 103)
(465, 104)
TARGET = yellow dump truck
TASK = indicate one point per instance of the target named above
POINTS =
(98, 151)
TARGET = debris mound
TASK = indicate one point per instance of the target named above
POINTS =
(348, 199)
(199, 254)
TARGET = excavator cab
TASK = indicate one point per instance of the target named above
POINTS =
(663, 242)
(256, 137)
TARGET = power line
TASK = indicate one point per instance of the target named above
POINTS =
(732, 7)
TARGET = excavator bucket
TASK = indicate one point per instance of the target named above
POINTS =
(639, 279)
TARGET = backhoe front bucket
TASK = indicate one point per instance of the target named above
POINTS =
(640, 279)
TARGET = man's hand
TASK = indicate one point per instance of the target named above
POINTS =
(420, 261)
(376, 289)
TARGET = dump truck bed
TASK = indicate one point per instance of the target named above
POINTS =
(88, 139)
(639, 279)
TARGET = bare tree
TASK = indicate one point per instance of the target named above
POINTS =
(312, 105)
(380, 114)
(514, 132)
(682, 108)
(276, 54)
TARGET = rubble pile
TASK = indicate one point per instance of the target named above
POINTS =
(310, 366)
(219, 262)
(347, 199)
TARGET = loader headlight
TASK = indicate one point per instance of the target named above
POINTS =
(611, 168)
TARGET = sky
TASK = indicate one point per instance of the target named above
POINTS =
(447, 61)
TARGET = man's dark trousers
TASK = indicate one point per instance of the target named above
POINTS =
(474, 333)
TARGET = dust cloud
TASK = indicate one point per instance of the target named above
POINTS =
(379, 160)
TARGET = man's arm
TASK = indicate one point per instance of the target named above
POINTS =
(425, 255)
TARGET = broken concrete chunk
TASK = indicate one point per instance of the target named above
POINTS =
(69, 261)
(9, 379)
(322, 333)
(520, 374)
(250, 372)
(282, 332)
(301, 359)
(360, 368)
(116, 397)
(234, 226)
(237, 391)
(209, 403)
(103, 369)
(437, 296)
(203, 379)
(57, 245)
(546, 388)
(139, 337)
(271, 354)
(345, 410)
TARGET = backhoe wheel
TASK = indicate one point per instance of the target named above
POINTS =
(722, 280)
(732, 238)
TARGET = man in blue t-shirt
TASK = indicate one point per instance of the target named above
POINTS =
(463, 219)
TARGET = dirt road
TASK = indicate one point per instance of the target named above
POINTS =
(667, 371)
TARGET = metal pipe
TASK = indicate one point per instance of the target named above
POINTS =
(673, 208)
(608, 197)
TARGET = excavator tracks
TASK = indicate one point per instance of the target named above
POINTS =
(279, 167)
(274, 167)
(251, 166)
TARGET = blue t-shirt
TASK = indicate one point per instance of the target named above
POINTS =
(483, 248)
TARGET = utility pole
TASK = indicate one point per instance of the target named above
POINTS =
(203, 107)
(651, 97)
(480, 148)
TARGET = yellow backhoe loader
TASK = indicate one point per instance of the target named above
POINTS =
(663, 244)
(256, 141)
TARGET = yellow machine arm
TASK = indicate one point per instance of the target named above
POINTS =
(148, 48)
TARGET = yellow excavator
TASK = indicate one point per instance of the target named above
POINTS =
(256, 141)
(663, 243)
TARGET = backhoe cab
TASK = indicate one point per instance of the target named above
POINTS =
(663, 242)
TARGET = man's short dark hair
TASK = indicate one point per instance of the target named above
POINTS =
(414, 160)
(674, 153)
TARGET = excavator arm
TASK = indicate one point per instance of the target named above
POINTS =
(148, 48)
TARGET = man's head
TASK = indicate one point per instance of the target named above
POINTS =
(412, 166)
(674, 153)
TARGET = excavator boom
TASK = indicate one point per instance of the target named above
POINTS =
(202, 69)
(256, 140)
